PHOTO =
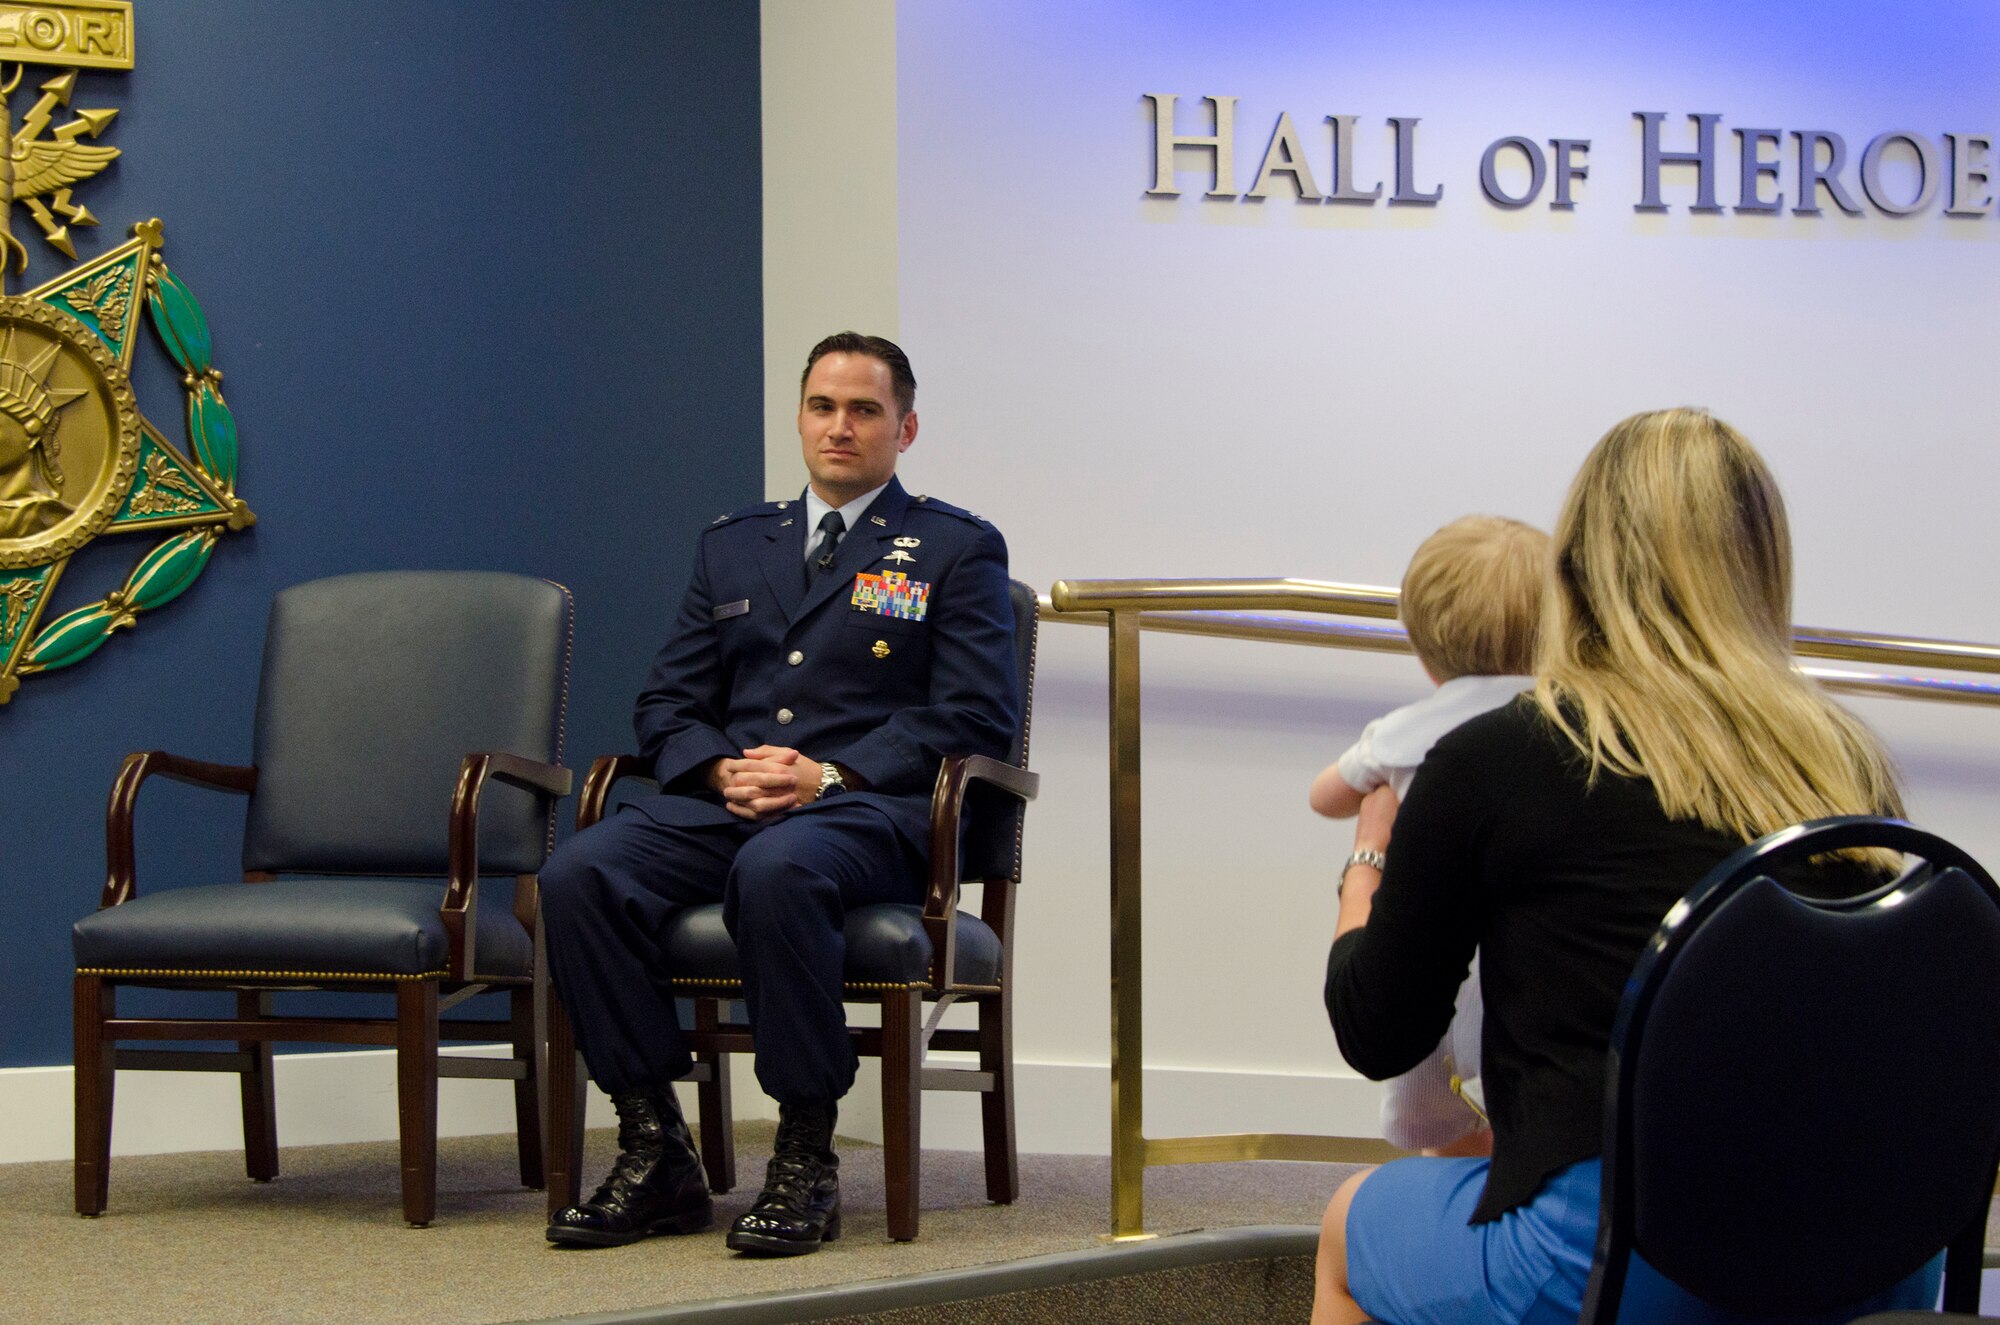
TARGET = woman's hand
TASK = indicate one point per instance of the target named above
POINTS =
(1377, 820)
(1359, 882)
(1331, 796)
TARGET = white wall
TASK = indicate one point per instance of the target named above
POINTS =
(829, 111)
(1156, 386)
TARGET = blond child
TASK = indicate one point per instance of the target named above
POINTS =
(1471, 602)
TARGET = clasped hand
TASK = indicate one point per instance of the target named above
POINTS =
(765, 782)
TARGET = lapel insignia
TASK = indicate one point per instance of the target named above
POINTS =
(891, 593)
(786, 523)
(907, 541)
(876, 519)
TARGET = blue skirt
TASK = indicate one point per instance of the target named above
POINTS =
(1412, 1259)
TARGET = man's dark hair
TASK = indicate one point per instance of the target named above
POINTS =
(875, 347)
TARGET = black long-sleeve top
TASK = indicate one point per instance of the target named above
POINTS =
(1503, 846)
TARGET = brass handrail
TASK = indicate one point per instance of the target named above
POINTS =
(1368, 600)
(1239, 609)
(1369, 638)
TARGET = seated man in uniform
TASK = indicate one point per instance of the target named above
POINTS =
(830, 651)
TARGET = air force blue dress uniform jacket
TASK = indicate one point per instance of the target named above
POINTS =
(757, 658)
(898, 654)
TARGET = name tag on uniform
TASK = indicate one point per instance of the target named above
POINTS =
(891, 593)
(741, 607)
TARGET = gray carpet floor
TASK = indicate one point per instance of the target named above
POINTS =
(188, 1238)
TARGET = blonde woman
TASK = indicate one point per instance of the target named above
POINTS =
(1667, 728)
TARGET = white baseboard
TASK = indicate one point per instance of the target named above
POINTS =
(1065, 1108)
(323, 1099)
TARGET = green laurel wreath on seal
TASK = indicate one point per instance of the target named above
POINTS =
(168, 570)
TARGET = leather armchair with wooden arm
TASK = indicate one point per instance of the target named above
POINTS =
(899, 957)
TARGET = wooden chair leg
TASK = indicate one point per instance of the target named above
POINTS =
(260, 1108)
(996, 1106)
(564, 1114)
(712, 1106)
(902, 1107)
(529, 1012)
(417, 1095)
(94, 1001)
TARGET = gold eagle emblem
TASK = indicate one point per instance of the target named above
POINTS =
(36, 167)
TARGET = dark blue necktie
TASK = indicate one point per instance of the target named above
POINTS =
(831, 527)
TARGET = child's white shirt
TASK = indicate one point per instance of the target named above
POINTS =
(1420, 1108)
(1394, 744)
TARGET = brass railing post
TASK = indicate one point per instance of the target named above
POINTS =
(1128, 1059)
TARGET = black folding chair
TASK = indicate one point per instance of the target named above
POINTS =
(1804, 1096)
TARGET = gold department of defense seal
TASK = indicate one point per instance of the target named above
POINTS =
(69, 433)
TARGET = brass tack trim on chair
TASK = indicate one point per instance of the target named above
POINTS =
(258, 975)
(1027, 725)
(562, 701)
(870, 986)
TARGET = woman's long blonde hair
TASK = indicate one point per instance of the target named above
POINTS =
(1666, 646)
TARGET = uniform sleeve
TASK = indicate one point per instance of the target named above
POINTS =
(680, 711)
(1391, 985)
(974, 702)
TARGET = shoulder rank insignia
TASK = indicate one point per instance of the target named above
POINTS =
(939, 506)
(891, 593)
(730, 517)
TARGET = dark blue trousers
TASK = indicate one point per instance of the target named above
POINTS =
(609, 892)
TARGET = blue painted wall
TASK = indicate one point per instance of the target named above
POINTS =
(484, 281)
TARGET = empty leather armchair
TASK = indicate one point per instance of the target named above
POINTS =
(389, 705)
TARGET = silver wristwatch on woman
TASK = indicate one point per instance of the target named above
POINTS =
(1362, 856)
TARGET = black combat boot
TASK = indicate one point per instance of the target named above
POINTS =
(656, 1185)
(799, 1207)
